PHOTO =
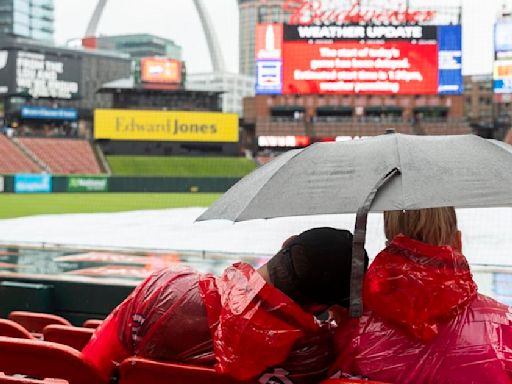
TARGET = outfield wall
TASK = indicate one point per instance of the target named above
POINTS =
(46, 183)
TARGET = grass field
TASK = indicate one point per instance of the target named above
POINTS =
(17, 205)
(180, 166)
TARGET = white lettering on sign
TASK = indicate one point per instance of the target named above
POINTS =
(40, 77)
(360, 32)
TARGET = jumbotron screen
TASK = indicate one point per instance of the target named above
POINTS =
(358, 59)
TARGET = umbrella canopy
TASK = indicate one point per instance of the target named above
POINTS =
(331, 178)
(383, 173)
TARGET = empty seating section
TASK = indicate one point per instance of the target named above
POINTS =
(13, 160)
(57, 360)
(63, 156)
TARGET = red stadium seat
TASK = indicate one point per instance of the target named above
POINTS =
(11, 329)
(43, 359)
(75, 337)
(35, 322)
(25, 380)
(350, 381)
(92, 323)
(136, 370)
(13, 160)
(63, 156)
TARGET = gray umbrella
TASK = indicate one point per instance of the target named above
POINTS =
(389, 172)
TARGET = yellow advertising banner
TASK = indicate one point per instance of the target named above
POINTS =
(138, 125)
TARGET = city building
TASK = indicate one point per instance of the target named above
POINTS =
(44, 88)
(269, 119)
(27, 18)
(136, 45)
(234, 87)
(478, 92)
(489, 113)
(252, 12)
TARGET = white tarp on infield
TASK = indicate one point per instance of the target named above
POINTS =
(487, 233)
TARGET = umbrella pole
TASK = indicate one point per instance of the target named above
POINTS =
(358, 252)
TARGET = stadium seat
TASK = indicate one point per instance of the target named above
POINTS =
(63, 156)
(43, 359)
(10, 328)
(35, 322)
(136, 370)
(75, 337)
(92, 323)
(25, 380)
(13, 160)
(350, 381)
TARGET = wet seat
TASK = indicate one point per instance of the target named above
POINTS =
(35, 322)
(350, 381)
(75, 337)
(43, 359)
(10, 328)
(136, 370)
(25, 380)
(92, 323)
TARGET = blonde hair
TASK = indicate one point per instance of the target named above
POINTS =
(437, 226)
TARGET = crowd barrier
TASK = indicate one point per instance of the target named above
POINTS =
(46, 183)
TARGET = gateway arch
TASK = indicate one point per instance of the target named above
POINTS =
(209, 32)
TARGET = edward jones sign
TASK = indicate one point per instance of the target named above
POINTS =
(137, 125)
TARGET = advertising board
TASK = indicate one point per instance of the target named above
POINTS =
(40, 75)
(32, 183)
(284, 141)
(502, 76)
(2, 184)
(503, 37)
(87, 184)
(139, 125)
(160, 70)
(46, 113)
(358, 59)
(502, 71)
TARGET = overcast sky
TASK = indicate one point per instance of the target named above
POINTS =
(177, 20)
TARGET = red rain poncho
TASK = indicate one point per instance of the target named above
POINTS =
(425, 322)
(237, 322)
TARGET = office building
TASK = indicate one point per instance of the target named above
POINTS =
(234, 87)
(27, 18)
(253, 12)
(137, 45)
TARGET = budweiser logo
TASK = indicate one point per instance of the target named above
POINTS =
(309, 12)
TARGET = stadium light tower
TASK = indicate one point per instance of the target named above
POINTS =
(212, 41)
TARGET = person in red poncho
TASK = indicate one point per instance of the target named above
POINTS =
(255, 325)
(424, 321)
